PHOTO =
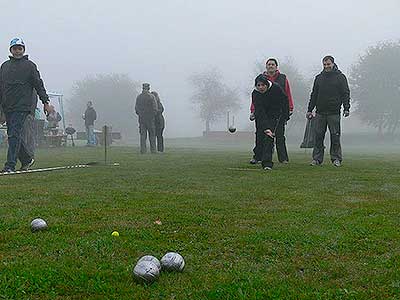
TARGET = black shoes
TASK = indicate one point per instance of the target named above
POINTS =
(7, 170)
(25, 167)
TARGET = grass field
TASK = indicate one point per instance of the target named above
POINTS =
(298, 232)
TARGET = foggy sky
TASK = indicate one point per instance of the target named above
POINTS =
(163, 42)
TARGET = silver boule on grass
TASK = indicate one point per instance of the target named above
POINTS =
(172, 261)
(151, 258)
(232, 129)
(146, 272)
(38, 224)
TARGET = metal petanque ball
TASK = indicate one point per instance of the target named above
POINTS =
(173, 261)
(232, 129)
(152, 259)
(38, 225)
(146, 272)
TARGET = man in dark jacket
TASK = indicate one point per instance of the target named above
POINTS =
(19, 79)
(146, 108)
(329, 93)
(160, 123)
(90, 116)
(271, 107)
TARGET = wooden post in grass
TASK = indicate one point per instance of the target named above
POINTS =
(105, 133)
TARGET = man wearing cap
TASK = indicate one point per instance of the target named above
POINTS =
(19, 82)
(330, 92)
(273, 74)
(146, 108)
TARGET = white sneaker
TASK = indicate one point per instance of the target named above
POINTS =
(267, 168)
(28, 165)
(337, 163)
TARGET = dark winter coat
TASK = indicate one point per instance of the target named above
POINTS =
(330, 92)
(146, 107)
(90, 116)
(270, 106)
(18, 80)
(160, 121)
(283, 82)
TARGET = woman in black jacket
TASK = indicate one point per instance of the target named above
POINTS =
(160, 123)
(271, 107)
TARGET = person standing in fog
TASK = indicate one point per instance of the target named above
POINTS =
(146, 108)
(330, 92)
(160, 123)
(90, 116)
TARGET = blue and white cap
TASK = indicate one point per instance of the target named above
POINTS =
(17, 42)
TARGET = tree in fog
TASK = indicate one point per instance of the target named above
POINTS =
(299, 86)
(375, 86)
(113, 97)
(212, 97)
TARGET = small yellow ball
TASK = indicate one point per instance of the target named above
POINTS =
(115, 233)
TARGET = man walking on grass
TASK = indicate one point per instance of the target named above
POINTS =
(330, 92)
(19, 79)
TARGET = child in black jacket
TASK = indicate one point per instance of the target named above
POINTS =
(271, 106)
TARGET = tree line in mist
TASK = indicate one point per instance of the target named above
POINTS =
(374, 82)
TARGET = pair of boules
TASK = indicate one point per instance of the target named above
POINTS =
(148, 267)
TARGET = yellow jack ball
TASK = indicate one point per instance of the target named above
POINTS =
(115, 233)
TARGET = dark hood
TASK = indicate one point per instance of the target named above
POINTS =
(335, 70)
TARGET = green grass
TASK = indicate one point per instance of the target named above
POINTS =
(298, 232)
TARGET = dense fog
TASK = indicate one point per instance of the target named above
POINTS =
(165, 42)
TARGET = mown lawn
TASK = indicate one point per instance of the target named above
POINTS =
(298, 232)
